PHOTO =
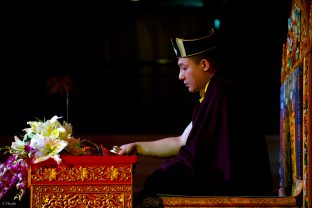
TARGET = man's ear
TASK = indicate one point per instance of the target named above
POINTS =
(205, 64)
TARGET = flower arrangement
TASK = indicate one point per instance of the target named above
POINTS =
(42, 140)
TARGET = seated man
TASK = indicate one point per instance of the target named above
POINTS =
(220, 152)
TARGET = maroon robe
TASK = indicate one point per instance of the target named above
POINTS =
(225, 154)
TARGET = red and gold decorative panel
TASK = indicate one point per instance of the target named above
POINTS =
(224, 201)
(83, 181)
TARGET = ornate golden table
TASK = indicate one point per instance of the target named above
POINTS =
(82, 181)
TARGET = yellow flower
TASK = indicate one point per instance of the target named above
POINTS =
(83, 173)
(50, 128)
(112, 173)
(50, 173)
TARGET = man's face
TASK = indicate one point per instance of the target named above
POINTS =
(192, 74)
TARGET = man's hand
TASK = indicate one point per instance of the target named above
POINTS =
(128, 149)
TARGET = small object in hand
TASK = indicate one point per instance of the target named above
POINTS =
(115, 149)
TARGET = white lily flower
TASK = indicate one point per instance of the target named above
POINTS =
(43, 140)
(18, 146)
(46, 147)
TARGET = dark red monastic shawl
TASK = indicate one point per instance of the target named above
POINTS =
(223, 154)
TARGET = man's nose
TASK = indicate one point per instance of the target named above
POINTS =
(181, 75)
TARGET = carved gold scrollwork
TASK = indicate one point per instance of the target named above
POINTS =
(83, 188)
(75, 189)
(82, 174)
(82, 196)
(92, 188)
(111, 200)
(35, 199)
(57, 188)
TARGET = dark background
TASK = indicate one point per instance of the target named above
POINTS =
(109, 68)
